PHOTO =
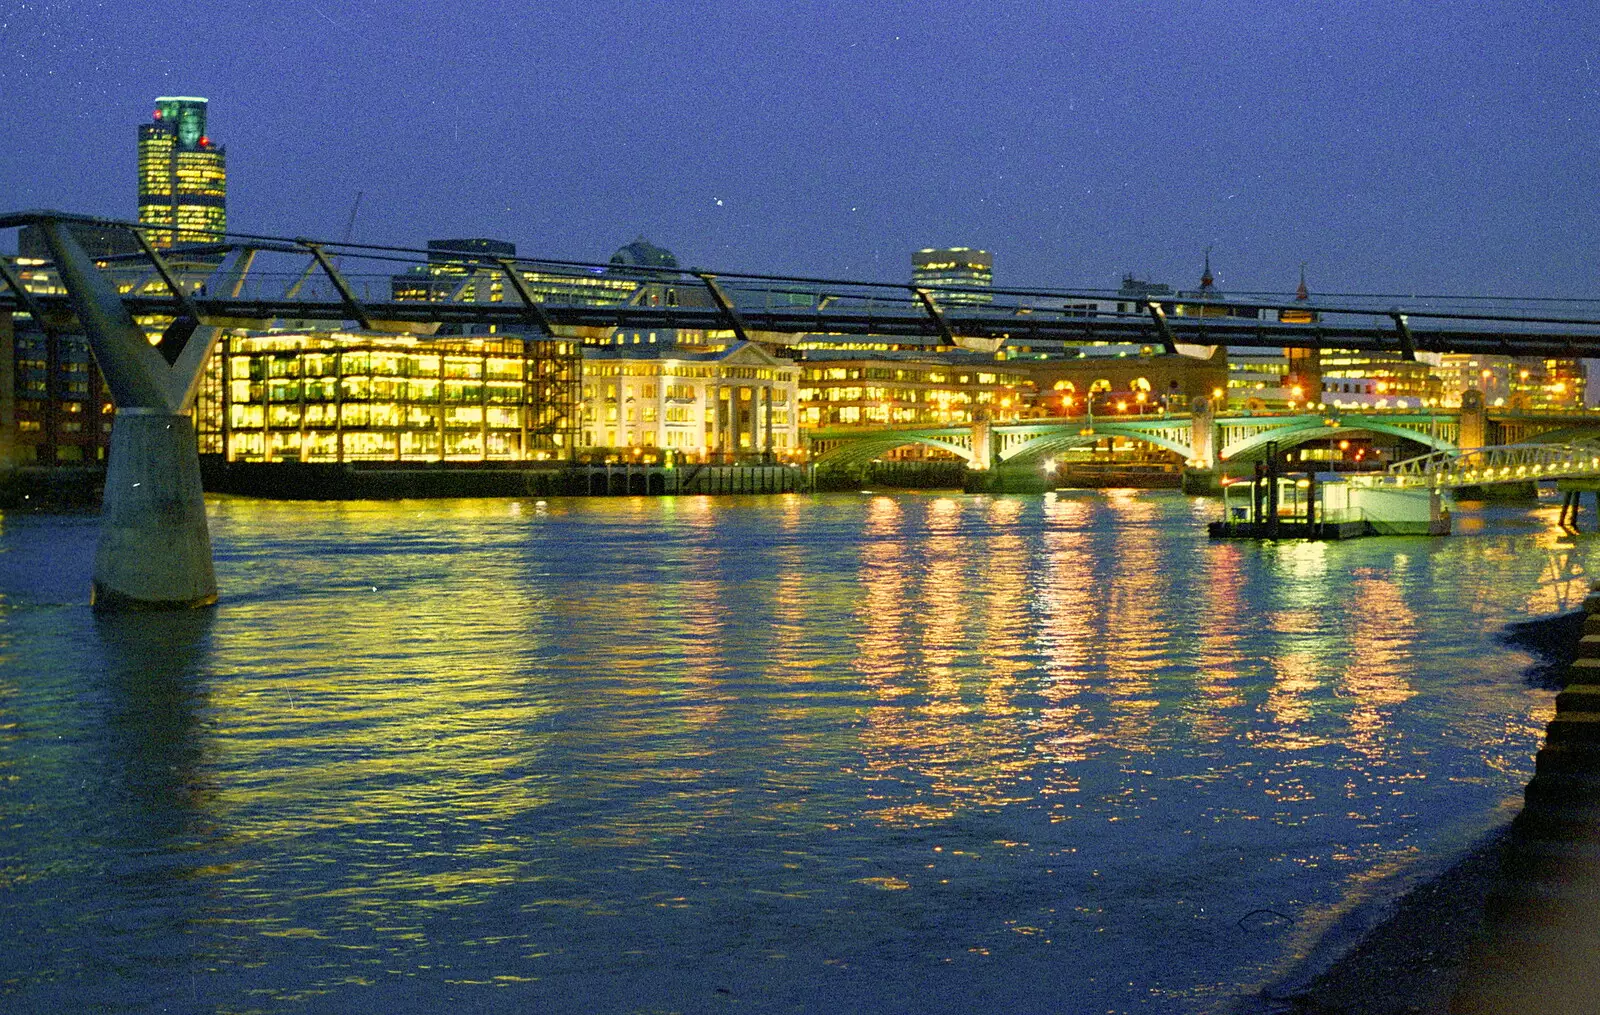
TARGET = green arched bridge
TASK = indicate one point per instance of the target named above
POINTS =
(1499, 446)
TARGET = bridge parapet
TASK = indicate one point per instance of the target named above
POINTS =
(1201, 438)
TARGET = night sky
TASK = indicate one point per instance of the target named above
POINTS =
(1421, 147)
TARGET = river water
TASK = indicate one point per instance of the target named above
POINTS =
(903, 753)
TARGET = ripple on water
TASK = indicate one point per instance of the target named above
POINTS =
(894, 752)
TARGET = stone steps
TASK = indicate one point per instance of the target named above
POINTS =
(1541, 938)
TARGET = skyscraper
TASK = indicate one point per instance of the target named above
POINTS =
(183, 176)
(953, 267)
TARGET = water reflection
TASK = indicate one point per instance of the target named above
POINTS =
(154, 681)
(904, 751)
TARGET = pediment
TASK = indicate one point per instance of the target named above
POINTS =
(751, 355)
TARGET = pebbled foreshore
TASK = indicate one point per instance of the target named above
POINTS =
(1414, 961)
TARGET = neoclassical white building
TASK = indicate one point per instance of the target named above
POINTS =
(736, 402)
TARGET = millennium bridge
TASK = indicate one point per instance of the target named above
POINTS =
(154, 549)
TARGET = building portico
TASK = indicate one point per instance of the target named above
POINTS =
(733, 403)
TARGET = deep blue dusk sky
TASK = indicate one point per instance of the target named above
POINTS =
(1396, 147)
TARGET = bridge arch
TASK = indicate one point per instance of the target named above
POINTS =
(1292, 434)
(1041, 445)
(864, 449)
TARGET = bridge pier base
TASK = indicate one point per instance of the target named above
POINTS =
(1004, 481)
(1202, 482)
(1524, 492)
(155, 550)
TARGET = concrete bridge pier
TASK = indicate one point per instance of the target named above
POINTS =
(1200, 474)
(1474, 421)
(154, 550)
(1203, 433)
(983, 438)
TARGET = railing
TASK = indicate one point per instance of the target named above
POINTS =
(245, 277)
(1342, 516)
(1510, 463)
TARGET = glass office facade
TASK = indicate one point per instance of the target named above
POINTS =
(350, 396)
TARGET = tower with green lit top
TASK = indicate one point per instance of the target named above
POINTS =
(183, 175)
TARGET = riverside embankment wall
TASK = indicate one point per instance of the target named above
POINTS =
(1539, 950)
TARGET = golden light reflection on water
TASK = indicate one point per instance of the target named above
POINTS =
(1003, 650)
(972, 599)
(1220, 663)
(1136, 627)
(589, 742)
(1068, 611)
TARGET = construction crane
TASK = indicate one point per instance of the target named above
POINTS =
(349, 229)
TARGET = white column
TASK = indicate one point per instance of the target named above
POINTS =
(766, 399)
(713, 402)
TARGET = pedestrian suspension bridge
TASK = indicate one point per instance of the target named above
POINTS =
(154, 549)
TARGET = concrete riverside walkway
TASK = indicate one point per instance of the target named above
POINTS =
(1540, 949)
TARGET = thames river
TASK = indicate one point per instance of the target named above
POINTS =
(856, 752)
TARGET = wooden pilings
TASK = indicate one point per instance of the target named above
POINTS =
(1571, 506)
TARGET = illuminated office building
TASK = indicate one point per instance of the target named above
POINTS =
(1548, 384)
(54, 406)
(1490, 376)
(1354, 378)
(360, 396)
(457, 271)
(183, 176)
(961, 268)
(846, 389)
